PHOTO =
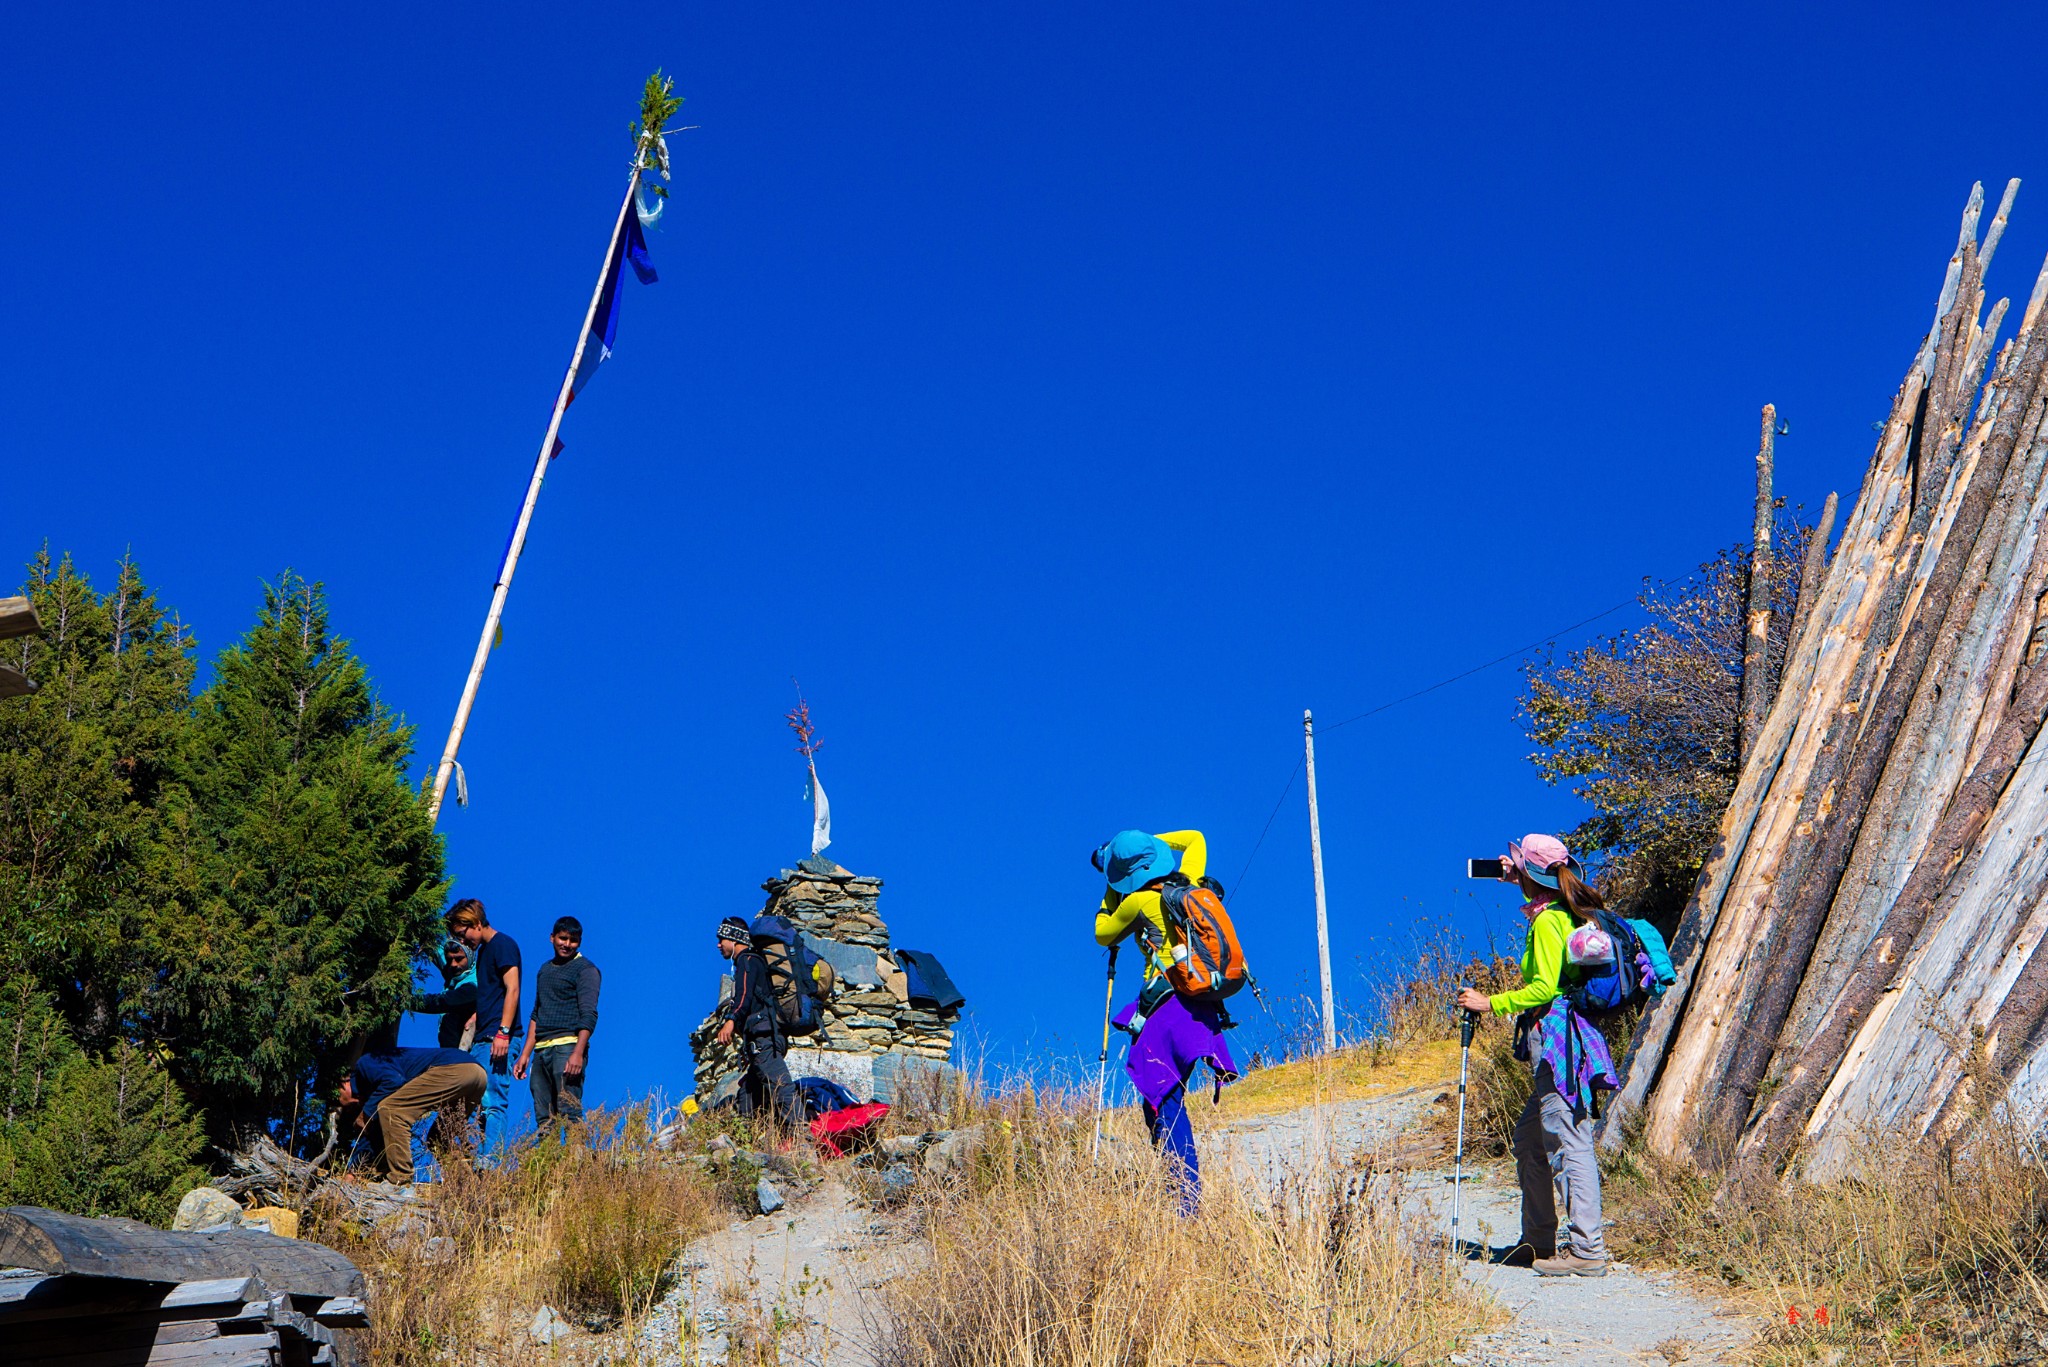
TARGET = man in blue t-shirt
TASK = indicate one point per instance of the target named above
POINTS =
(497, 1007)
(398, 1088)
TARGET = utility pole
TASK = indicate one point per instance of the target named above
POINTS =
(1315, 849)
(1755, 699)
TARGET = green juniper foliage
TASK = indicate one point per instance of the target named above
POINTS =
(97, 1138)
(237, 885)
(83, 766)
(311, 877)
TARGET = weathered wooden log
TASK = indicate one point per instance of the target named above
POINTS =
(1931, 879)
(1644, 1066)
(52, 1242)
(1856, 766)
(1813, 567)
(1840, 656)
(1959, 696)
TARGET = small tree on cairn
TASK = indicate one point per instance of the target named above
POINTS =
(808, 745)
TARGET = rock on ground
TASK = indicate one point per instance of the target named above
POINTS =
(205, 1208)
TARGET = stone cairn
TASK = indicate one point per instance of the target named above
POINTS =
(871, 1035)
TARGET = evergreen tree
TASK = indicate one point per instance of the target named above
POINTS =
(35, 1047)
(311, 878)
(112, 1138)
(83, 764)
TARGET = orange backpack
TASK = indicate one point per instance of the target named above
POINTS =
(1208, 962)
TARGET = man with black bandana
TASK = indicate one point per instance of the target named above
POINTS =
(750, 1014)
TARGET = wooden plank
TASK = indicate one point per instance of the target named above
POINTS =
(217, 1291)
(14, 683)
(84, 1330)
(50, 1241)
(344, 1312)
(44, 1298)
(18, 618)
(114, 1347)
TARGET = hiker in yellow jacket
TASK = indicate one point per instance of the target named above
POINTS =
(1121, 911)
(1170, 1035)
(1554, 1156)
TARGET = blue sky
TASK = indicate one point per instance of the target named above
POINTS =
(1066, 395)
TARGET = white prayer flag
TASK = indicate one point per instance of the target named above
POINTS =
(821, 815)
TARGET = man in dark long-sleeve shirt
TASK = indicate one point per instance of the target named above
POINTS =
(564, 1014)
(400, 1087)
(750, 1013)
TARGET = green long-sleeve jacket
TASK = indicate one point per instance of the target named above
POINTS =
(1542, 963)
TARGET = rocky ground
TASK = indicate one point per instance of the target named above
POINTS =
(1626, 1318)
(799, 1278)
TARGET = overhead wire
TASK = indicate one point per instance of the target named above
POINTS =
(1295, 772)
(1479, 669)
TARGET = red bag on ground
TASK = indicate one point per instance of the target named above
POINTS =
(838, 1133)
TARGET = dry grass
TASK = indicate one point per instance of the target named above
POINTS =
(1042, 1255)
(592, 1227)
(1931, 1255)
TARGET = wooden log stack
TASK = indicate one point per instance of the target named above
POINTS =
(1864, 946)
(78, 1292)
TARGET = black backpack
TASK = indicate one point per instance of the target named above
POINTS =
(793, 975)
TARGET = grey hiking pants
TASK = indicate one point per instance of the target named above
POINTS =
(1555, 1161)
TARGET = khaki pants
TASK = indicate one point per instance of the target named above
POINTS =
(437, 1089)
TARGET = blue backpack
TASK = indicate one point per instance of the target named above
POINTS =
(1640, 971)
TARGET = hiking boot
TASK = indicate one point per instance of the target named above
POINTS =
(1570, 1264)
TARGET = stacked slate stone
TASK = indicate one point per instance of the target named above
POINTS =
(871, 1033)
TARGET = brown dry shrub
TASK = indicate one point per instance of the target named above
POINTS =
(1928, 1253)
(592, 1227)
(1042, 1254)
(1415, 1005)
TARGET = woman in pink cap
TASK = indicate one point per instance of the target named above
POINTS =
(1554, 1138)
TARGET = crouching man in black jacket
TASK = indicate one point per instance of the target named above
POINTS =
(750, 1013)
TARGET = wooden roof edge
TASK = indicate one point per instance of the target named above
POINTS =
(18, 618)
(77, 1245)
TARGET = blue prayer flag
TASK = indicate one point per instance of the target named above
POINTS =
(604, 324)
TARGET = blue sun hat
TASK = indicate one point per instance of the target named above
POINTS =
(1131, 859)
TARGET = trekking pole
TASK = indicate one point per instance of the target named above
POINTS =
(1102, 1061)
(1465, 1029)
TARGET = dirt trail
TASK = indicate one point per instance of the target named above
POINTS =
(807, 1272)
(1625, 1319)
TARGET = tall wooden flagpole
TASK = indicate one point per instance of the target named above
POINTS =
(1315, 849)
(540, 470)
